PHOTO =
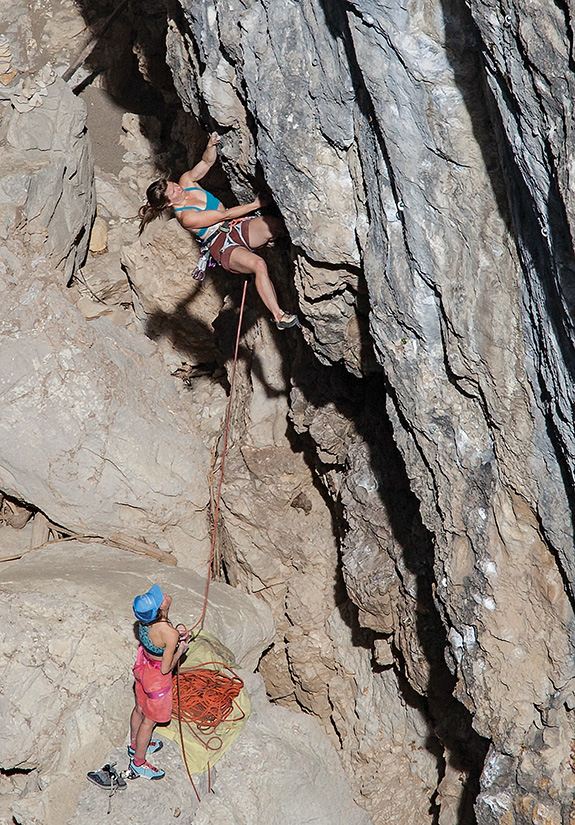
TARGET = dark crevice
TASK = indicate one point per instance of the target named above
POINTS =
(363, 402)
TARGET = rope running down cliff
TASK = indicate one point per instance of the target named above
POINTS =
(200, 622)
(220, 702)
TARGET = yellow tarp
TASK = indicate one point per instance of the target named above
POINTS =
(206, 648)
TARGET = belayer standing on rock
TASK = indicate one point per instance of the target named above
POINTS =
(161, 647)
(228, 235)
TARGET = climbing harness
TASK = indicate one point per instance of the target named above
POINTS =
(205, 260)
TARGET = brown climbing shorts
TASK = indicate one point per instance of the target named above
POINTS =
(225, 242)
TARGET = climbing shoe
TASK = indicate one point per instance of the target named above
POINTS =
(107, 778)
(286, 321)
(154, 746)
(146, 770)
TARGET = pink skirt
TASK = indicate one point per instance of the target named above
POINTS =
(153, 688)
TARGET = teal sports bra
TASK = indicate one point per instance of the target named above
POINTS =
(211, 203)
(149, 647)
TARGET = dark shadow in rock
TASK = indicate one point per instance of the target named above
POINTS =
(191, 337)
(363, 402)
(463, 49)
(201, 342)
(450, 722)
(134, 38)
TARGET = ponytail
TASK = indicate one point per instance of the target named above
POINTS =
(157, 203)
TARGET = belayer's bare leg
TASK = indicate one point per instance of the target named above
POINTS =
(143, 737)
(135, 721)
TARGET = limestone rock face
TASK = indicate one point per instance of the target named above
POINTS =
(448, 125)
(83, 437)
(167, 300)
(420, 155)
(46, 171)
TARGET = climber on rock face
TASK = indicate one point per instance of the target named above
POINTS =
(161, 647)
(230, 234)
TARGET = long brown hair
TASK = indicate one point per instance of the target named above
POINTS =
(157, 202)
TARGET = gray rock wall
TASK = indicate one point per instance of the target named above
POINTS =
(46, 171)
(98, 438)
(420, 153)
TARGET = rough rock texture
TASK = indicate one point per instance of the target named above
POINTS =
(46, 191)
(420, 155)
(281, 769)
(101, 450)
(67, 648)
(167, 301)
(466, 255)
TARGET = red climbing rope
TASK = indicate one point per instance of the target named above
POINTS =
(200, 621)
(205, 698)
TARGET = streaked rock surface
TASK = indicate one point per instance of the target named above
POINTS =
(420, 155)
(453, 135)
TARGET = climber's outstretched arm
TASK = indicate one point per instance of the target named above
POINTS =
(192, 220)
(203, 167)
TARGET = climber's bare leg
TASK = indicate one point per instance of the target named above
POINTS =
(246, 262)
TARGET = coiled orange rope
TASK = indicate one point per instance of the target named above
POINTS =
(205, 698)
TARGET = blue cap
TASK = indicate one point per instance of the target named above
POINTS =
(146, 607)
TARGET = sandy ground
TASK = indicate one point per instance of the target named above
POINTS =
(105, 127)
